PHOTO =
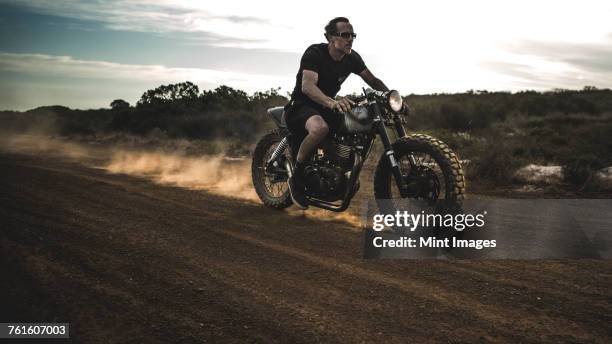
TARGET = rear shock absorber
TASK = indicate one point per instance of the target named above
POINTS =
(278, 151)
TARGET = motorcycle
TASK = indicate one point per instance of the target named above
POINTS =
(414, 166)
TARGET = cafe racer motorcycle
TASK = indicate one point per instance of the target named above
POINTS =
(414, 166)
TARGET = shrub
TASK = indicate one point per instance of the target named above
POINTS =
(578, 171)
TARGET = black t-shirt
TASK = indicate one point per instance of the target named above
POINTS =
(331, 73)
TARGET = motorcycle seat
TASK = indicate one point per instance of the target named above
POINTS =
(278, 115)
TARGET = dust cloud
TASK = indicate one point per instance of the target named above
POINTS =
(37, 144)
(324, 215)
(218, 174)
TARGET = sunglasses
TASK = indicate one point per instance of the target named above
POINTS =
(345, 35)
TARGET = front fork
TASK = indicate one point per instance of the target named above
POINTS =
(399, 127)
(401, 132)
(395, 168)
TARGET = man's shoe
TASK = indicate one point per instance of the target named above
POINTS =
(296, 190)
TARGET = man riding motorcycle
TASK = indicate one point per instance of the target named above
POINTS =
(313, 111)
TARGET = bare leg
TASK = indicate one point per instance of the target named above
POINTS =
(317, 131)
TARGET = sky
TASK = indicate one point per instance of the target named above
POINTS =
(84, 54)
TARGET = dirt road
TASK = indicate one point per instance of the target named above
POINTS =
(126, 260)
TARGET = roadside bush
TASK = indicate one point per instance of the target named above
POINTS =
(579, 171)
(494, 163)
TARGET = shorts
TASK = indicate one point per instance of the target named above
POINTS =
(298, 113)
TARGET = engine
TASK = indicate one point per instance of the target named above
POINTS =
(326, 177)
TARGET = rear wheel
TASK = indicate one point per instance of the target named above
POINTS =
(270, 182)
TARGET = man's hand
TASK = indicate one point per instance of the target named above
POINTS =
(342, 105)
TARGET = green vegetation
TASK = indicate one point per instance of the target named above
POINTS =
(500, 132)
(497, 132)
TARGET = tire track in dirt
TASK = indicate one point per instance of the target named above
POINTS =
(458, 300)
(167, 237)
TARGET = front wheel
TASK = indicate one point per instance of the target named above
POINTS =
(270, 182)
(429, 167)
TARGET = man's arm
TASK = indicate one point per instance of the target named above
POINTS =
(310, 89)
(373, 81)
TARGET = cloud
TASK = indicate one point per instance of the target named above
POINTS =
(68, 67)
(554, 64)
(595, 57)
(243, 19)
(31, 80)
(415, 48)
(158, 17)
(213, 39)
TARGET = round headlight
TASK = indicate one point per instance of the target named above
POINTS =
(395, 101)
